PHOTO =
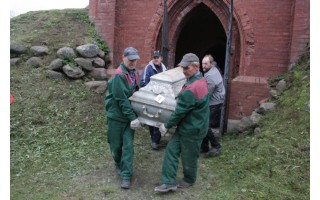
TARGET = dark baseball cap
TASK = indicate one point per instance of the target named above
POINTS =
(156, 54)
(187, 59)
(131, 53)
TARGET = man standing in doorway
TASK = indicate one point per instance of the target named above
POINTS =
(191, 116)
(217, 96)
(155, 66)
(121, 119)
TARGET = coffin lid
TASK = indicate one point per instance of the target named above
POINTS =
(171, 76)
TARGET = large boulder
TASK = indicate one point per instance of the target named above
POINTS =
(55, 75)
(281, 85)
(245, 124)
(84, 63)
(17, 49)
(56, 65)
(98, 62)
(88, 50)
(34, 62)
(66, 52)
(39, 50)
(265, 107)
(15, 61)
(73, 71)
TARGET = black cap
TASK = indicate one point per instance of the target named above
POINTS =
(156, 54)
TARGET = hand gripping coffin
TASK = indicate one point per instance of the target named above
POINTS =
(155, 102)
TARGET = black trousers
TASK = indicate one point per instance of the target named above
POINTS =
(214, 122)
(155, 134)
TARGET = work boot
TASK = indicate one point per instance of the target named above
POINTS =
(182, 184)
(125, 184)
(166, 188)
(204, 150)
(213, 151)
(154, 146)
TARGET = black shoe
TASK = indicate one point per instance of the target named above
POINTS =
(154, 146)
(182, 184)
(165, 188)
(206, 150)
(125, 184)
(213, 151)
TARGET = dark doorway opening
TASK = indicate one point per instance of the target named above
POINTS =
(202, 33)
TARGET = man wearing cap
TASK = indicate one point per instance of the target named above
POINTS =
(217, 96)
(155, 66)
(191, 116)
(121, 119)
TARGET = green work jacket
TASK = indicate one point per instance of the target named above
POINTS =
(120, 88)
(191, 115)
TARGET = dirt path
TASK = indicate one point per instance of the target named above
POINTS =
(104, 183)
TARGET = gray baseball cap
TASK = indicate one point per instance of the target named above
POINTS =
(187, 59)
(131, 53)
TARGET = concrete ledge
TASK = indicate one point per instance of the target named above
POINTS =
(251, 79)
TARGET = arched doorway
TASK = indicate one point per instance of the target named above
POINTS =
(200, 27)
(202, 33)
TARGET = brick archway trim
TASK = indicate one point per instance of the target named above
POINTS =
(178, 10)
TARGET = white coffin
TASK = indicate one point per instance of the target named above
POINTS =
(155, 102)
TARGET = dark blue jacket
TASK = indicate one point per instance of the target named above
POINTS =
(149, 71)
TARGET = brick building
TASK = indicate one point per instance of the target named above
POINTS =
(267, 37)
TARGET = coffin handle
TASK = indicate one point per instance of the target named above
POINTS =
(157, 115)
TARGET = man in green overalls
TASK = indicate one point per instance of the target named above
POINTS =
(121, 119)
(191, 116)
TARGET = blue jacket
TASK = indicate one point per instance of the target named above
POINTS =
(149, 71)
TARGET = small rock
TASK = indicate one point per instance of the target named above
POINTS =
(34, 62)
(281, 85)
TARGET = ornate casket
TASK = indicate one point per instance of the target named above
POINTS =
(155, 102)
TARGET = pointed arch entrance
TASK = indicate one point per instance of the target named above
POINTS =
(200, 28)
(202, 33)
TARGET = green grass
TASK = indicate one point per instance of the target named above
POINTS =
(274, 164)
(58, 147)
(56, 127)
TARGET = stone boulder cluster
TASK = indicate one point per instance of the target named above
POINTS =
(87, 62)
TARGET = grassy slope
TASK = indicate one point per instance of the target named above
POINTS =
(59, 150)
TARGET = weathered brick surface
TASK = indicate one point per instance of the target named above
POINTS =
(300, 29)
(268, 36)
(245, 94)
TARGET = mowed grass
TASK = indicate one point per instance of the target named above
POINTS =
(58, 146)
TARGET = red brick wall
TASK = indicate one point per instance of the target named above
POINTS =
(132, 26)
(300, 29)
(104, 19)
(268, 37)
(245, 94)
(92, 10)
(272, 21)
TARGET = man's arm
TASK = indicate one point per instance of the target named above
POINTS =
(145, 77)
(186, 102)
(211, 84)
